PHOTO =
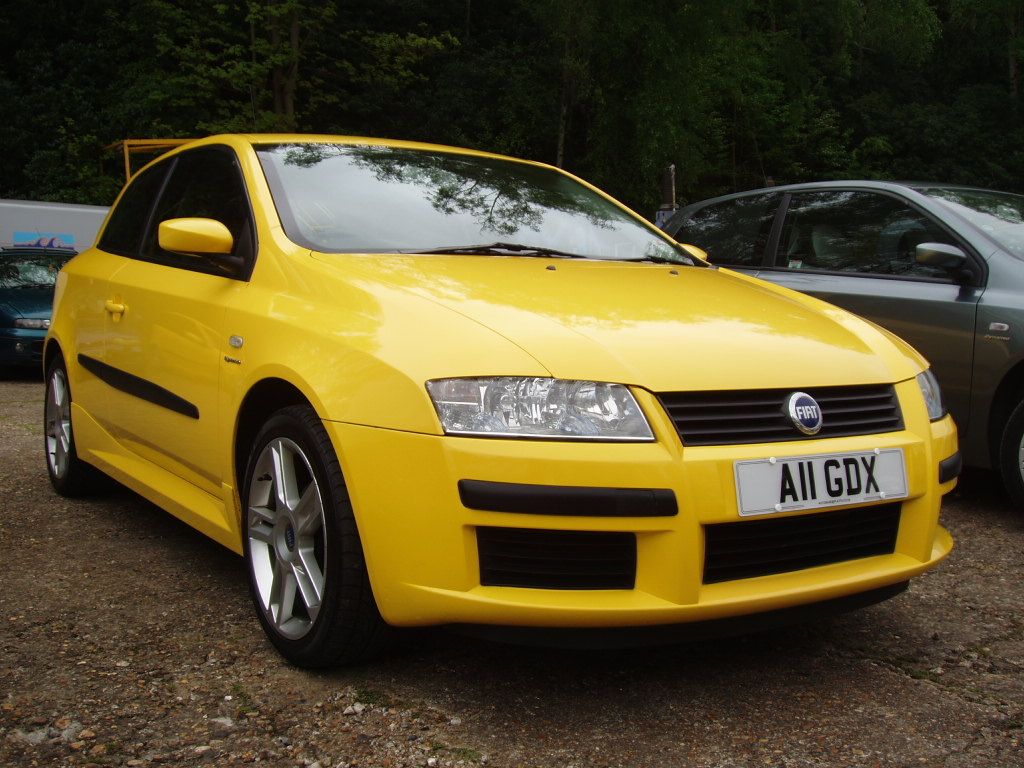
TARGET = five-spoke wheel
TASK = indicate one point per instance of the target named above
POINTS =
(286, 538)
(307, 574)
(69, 475)
(57, 416)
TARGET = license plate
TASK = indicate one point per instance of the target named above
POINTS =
(790, 483)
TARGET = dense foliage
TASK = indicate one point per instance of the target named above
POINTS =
(734, 92)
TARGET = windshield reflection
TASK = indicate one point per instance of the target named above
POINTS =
(30, 270)
(1000, 215)
(361, 198)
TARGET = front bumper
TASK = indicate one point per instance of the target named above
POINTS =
(21, 346)
(421, 540)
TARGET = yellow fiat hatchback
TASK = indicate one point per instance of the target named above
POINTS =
(416, 385)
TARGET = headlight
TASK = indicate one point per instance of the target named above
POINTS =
(539, 408)
(35, 323)
(932, 394)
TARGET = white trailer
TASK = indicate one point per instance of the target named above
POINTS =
(24, 223)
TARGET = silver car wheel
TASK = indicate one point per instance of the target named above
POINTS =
(285, 526)
(58, 423)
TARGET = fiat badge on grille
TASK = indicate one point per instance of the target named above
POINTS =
(805, 413)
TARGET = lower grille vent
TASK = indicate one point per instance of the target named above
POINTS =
(763, 547)
(526, 557)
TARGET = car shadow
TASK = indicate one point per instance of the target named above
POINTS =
(21, 373)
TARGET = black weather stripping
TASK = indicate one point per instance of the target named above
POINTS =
(137, 387)
(567, 500)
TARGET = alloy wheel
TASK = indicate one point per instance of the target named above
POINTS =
(285, 526)
(58, 423)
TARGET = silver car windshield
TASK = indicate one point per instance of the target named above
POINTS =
(340, 198)
(1000, 215)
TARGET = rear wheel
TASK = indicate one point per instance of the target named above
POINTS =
(69, 475)
(1011, 455)
(307, 574)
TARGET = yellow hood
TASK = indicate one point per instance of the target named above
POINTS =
(660, 327)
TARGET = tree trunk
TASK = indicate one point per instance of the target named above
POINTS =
(291, 81)
(1013, 65)
(564, 107)
(285, 77)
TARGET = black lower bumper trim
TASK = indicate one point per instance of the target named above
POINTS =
(950, 469)
(607, 638)
(567, 500)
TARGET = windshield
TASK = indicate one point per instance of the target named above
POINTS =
(30, 270)
(371, 199)
(1000, 215)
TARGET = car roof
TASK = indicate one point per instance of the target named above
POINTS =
(36, 251)
(268, 139)
(900, 187)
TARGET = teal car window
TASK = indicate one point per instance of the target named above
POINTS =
(371, 199)
(858, 232)
(30, 270)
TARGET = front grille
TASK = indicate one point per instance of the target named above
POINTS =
(759, 416)
(762, 547)
(526, 557)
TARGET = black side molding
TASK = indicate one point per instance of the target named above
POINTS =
(949, 469)
(567, 500)
(138, 387)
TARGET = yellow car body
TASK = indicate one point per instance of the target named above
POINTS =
(357, 336)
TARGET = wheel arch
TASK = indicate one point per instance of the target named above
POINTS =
(1009, 392)
(263, 399)
(51, 349)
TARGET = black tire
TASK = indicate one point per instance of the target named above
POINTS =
(69, 475)
(287, 543)
(1011, 455)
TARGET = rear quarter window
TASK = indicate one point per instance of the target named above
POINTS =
(124, 231)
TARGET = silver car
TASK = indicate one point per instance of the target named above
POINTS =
(941, 266)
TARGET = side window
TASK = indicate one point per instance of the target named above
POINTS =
(863, 232)
(205, 183)
(127, 224)
(734, 232)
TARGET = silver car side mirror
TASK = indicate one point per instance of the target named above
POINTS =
(940, 255)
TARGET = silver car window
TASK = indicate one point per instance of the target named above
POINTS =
(856, 231)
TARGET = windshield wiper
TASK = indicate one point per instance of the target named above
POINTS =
(500, 249)
(504, 249)
(685, 261)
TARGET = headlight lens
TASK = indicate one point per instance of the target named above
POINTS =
(932, 394)
(35, 323)
(538, 407)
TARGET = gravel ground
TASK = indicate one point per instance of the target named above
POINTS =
(128, 639)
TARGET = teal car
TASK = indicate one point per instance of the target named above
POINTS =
(941, 266)
(27, 277)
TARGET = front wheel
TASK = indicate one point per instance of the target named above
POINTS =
(69, 475)
(1011, 456)
(307, 574)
